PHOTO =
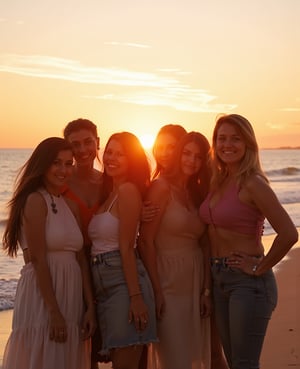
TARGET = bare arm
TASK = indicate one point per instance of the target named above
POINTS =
(129, 209)
(205, 303)
(157, 194)
(265, 199)
(35, 214)
(89, 319)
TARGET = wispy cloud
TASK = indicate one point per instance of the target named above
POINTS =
(175, 71)
(290, 109)
(143, 88)
(184, 99)
(127, 44)
(275, 126)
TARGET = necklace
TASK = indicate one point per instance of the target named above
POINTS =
(53, 205)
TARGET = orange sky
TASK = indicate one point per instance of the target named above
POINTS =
(136, 65)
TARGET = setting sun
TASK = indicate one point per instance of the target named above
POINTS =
(147, 140)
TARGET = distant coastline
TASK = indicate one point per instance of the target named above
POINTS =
(281, 148)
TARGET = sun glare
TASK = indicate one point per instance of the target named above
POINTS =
(147, 140)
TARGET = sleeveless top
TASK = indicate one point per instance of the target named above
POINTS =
(180, 228)
(62, 230)
(232, 214)
(103, 231)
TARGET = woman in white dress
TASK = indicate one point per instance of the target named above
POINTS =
(51, 321)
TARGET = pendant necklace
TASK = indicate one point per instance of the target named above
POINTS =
(53, 204)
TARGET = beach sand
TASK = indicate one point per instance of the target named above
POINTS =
(282, 344)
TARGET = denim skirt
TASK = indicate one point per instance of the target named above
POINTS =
(113, 303)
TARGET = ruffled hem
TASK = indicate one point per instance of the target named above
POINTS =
(32, 349)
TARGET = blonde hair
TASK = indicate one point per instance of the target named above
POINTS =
(250, 164)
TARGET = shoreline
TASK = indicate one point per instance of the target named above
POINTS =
(282, 343)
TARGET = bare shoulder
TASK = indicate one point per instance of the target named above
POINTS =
(129, 201)
(261, 194)
(35, 205)
(128, 189)
(256, 183)
(158, 188)
(35, 200)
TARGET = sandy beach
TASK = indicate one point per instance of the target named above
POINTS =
(282, 344)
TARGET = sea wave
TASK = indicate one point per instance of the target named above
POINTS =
(7, 293)
(286, 171)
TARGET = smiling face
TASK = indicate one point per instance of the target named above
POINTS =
(84, 145)
(115, 161)
(59, 172)
(230, 146)
(191, 159)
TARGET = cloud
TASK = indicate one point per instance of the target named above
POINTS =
(143, 88)
(184, 99)
(175, 71)
(127, 44)
(275, 126)
(290, 109)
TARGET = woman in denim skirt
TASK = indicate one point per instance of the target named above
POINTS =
(125, 301)
(240, 199)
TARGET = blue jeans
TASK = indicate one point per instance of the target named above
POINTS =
(243, 308)
(113, 303)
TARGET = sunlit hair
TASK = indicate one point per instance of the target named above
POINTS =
(198, 184)
(175, 130)
(79, 124)
(29, 179)
(249, 164)
(138, 164)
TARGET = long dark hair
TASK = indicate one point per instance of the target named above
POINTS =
(138, 164)
(29, 179)
(198, 184)
(175, 130)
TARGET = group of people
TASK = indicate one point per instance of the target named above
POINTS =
(170, 267)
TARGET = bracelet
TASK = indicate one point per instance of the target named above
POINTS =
(206, 292)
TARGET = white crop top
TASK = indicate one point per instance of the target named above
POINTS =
(103, 232)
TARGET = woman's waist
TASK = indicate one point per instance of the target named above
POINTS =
(52, 254)
(103, 248)
(178, 249)
(101, 257)
(172, 241)
(224, 242)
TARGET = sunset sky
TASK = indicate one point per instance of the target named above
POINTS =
(136, 65)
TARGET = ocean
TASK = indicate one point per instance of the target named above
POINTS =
(281, 166)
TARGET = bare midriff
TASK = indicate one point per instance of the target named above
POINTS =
(223, 242)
